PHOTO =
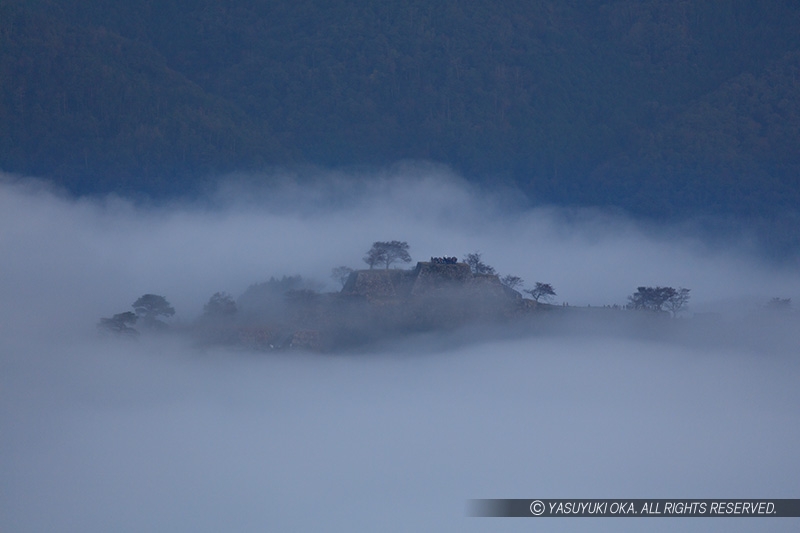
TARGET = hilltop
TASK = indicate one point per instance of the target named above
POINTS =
(376, 304)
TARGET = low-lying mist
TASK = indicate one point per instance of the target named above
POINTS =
(157, 433)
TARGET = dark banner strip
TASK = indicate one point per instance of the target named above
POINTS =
(550, 508)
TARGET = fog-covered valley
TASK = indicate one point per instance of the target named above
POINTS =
(157, 433)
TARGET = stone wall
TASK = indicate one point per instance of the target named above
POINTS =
(426, 280)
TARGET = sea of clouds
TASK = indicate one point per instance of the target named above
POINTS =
(156, 434)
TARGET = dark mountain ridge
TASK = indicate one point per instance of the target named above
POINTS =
(661, 109)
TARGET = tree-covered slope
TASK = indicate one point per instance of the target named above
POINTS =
(656, 107)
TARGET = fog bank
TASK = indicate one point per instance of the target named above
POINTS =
(156, 434)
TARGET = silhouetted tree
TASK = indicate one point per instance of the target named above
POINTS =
(386, 253)
(150, 307)
(119, 324)
(512, 282)
(541, 290)
(476, 265)
(678, 301)
(220, 305)
(651, 298)
(341, 273)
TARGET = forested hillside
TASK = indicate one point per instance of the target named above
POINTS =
(660, 108)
